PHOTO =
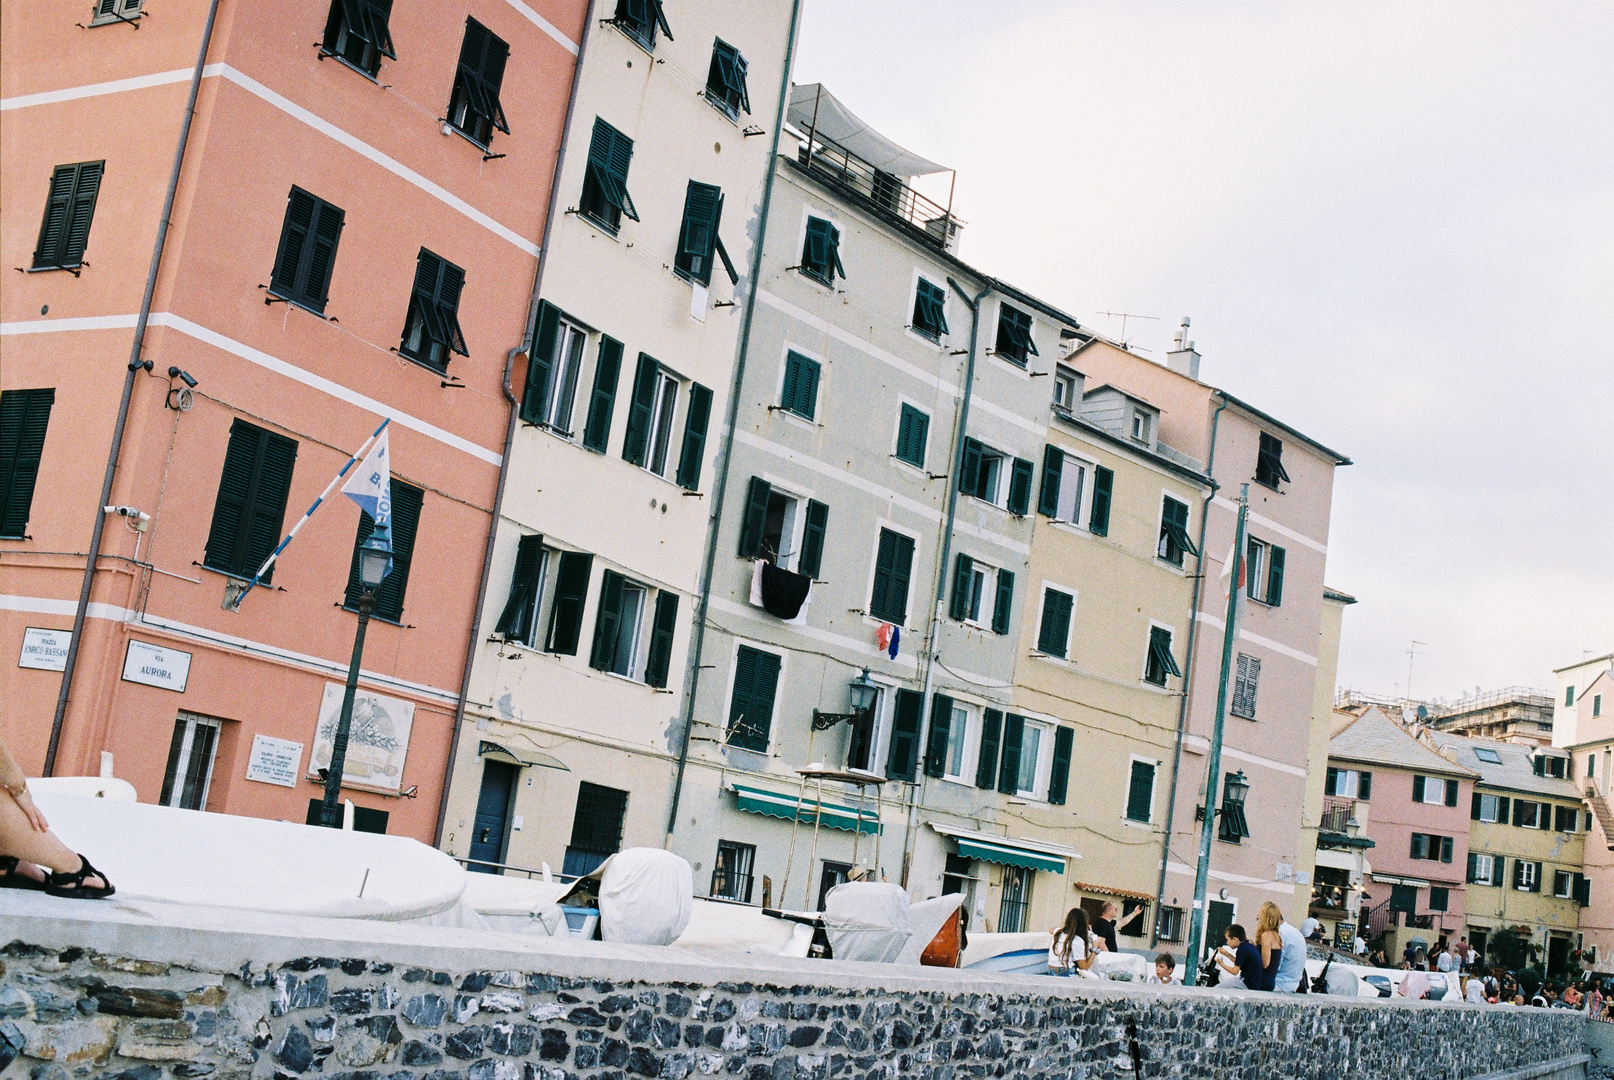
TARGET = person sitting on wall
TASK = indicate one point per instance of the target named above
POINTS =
(31, 856)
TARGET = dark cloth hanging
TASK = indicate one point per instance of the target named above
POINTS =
(783, 592)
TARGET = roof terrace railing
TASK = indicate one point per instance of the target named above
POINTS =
(890, 196)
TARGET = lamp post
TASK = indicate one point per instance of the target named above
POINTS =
(375, 562)
(863, 691)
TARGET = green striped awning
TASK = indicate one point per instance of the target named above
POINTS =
(1009, 855)
(794, 808)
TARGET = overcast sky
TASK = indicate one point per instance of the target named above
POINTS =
(1392, 226)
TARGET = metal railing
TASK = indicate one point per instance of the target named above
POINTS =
(502, 868)
(1337, 813)
(1529, 697)
(888, 195)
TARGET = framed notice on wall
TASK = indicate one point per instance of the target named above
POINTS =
(274, 761)
(43, 649)
(1345, 936)
(155, 665)
(377, 741)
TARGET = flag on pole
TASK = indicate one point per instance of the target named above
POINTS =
(371, 487)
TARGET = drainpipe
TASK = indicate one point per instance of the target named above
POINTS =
(956, 473)
(1188, 662)
(128, 394)
(509, 441)
(720, 489)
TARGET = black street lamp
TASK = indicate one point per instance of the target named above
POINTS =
(862, 691)
(375, 561)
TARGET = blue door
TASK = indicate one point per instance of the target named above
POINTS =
(493, 814)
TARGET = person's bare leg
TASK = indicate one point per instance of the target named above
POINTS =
(19, 837)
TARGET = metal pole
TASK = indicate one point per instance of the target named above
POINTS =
(1213, 768)
(330, 815)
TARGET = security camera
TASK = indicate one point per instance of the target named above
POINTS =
(126, 511)
(183, 376)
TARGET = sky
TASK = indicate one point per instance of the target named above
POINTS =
(1392, 226)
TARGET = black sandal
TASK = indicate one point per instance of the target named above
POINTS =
(11, 879)
(71, 884)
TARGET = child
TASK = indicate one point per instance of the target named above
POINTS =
(1165, 971)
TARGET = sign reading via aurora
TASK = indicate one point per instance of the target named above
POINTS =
(377, 742)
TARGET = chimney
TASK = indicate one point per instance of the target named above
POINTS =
(1183, 359)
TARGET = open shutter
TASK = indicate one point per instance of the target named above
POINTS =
(756, 516)
(1103, 483)
(1445, 849)
(1331, 784)
(635, 445)
(571, 592)
(82, 211)
(1014, 734)
(1474, 807)
(1275, 557)
(905, 721)
(661, 639)
(314, 284)
(1054, 633)
(607, 620)
(697, 236)
(24, 419)
(1418, 783)
(1451, 793)
(941, 721)
(963, 575)
(1020, 486)
(986, 768)
(389, 595)
(1583, 890)
(1502, 815)
(602, 400)
(1053, 467)
(969, 482)
(1518, 874)
(516, 621)
(449, 285)
(58, 211)
(812, 539)
(1518, 811)
(1003, 607)
(540, 362)
(1473, 868)
(294, 237)
(1364, 786)
(1535, 884)
(689, 458)
(1059, 776)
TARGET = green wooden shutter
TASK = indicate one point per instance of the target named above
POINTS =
(24, 418)
(1474, 807)
(941, 721)
(963, 575)
(812, 539)
(1059, 775)
(602, 401)
(986, 767)
(313, 284)
(618, 156)
(1582, 890)
(446, 300)
(800, 394)
(689, 458)
(1473, 868)
(901, 567)
(520, 611)
(1014, 734)
(1364, 786)
(756, 679)
(969, 473)
(78, 227)
(1103, 484)
(913, 430)
(905, 721)
(294, 240)
(1417, 788)
(1053, 635)
(58, 212)
(1445, 849)
(1451, 792)
(815, 250)
(1140, 791)
(640, 412)
(571, 593)
(251, 503)
(756, 516)
(697, 235)
(1331, 784)
(662, 630)
(1053, 468)
(1003, 607)
(607, 620)
(389, 595)
(1020, 486)
(541, 361)
(1275, 558)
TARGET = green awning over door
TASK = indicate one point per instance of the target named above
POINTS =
(791, 807)
(1008, 855)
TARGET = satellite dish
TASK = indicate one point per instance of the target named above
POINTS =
(1423, 712)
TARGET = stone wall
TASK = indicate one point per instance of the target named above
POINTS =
(133, 999)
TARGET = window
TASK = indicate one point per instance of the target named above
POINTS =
(1432, 848)
(725, 80)
(1526, 876)
(731, 873)
(1169, 926)
(799, 393)
(893, 563)
(1569, 695)
(1439, 898)
(1486, 754)
(1245, 683)
(389, 595)
(357, 33)
(620, 644)
(1269, 462)
(605, 185)
(1174, 541)
(596, 828)
(1053, 632)
(251, 502)
(981, 595)
(957, 734)
(553, 374)
(1434, 791)
(1489, 808)
(190, 762)
(784, 529)
(1014, 335)
(1562, 884)
(473, 106)
(1140, 425)
(1597, 704)
(1565, 818)
(1065, 388)
(996, 477)
(432, 326)
(1404, 898)
(929, 310)
(1021, 755)
(1234, 825)
(1591, 765)
(640, 19)
(1160, 662)
(1349, 784)
(949, 725)
(902, 756)
(1015, 907)
(1481, 869)
(1140, 791)
(24, 417)
(1527, 814)
(1583, 890)
(650, 417)
(307, 253)
(986, 761)
(1545, 765)
(958, 878)
(566, 613)
(913, 429)
(519, 620)
(65, 232)
(698, 240)
(821, 252)
(1263, 572)
(756, 677)
(115, 11)
(1065, 485)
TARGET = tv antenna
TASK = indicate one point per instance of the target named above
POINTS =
(1411, 655)
(1124, 316)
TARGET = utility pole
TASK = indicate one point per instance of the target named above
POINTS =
(1213, 768)
(1411, 655)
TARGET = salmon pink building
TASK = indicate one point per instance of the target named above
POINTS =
(354, 211)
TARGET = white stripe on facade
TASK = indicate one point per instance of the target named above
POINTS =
(862, 648)
(36, 605)
(1281, 530)
(546, 26)
(262, 359)
(1236, 879)
(1198, 744)
(1256, 639)
(116, 86)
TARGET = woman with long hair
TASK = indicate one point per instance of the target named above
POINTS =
(1270, 942)
(1072, 950)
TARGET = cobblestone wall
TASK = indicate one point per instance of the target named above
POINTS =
(73, 1013)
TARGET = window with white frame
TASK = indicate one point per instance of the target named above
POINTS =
(565, 371)
(1562, 884)
(1067, 385)
(1348, 783)
(1490, 808)
(1066, 485)
(1036, 738)
(958, 733)
(628, 639)
(1481, 869)
(1526, 876)
(1141, 425)
(1263, 571)
(731, 873)
(661, 424)
(190, 762)
(1170, 924)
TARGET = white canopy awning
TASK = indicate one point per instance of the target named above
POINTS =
(812, 106)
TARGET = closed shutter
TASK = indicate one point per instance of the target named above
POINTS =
(541, 362)
(1518, 810)
(689, 458)
(963, 582)
(941, 722)
(1473, 868)
(69, 209)
(913, 430)
(1502, 802)
(1140, 792)
(892, 565)
(389, 595)
(1364, 786)
(1451, 793)
(641, 411)
(1417, 789)
(607, 620)
(1059, 775)
(1054, 634)
(1098, 523)
(82, 212)
(602, 400)
(800, 391)
(812, 539)
(1420, 846)
(520, 613)
(1518, 874)
(1053, 467)
(1014, 734)
(1583, 890)
(662, 630)
(697, 236)
(314, 282)
(905, 721)
(755, 518)
(969, 474)
(571, 593)
(756, 678)
(986, 767)
(1275, 558)
(1474, 807)
(1003, 607)
(1020, 486)
(1245, 685)
(308, 239)
(251, 503)
(1331, 784)
(24, 418)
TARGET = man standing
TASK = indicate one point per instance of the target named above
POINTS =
(1443, 962)
(1104, 926)
(1292, 965)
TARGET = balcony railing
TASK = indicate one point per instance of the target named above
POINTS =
(889, 196)
(1337, 813)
